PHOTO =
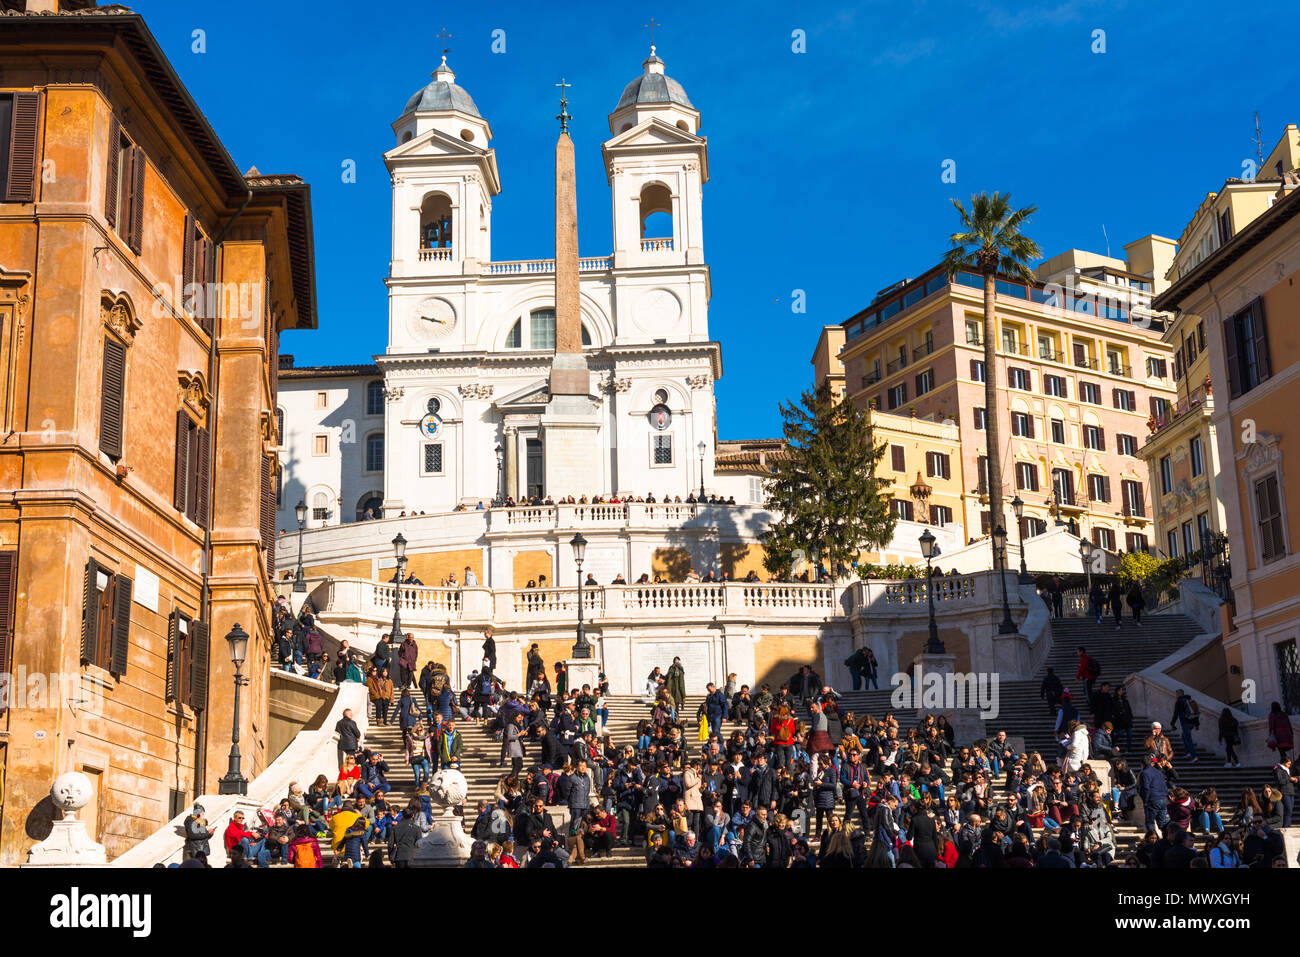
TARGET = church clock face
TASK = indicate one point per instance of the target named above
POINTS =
(433, 318)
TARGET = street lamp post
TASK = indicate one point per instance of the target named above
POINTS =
(929, 549)
(234, 782)
(394, 639)
(300, 510)
(1018, 507)
(501, 492)
(580, 648)
(1085, 552)
(702, 447)
(1008, 627)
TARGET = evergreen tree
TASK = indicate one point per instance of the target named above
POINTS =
(824, 487)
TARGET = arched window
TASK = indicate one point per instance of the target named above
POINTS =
(320, 507)
(375, 452)
(279, 425)
(433, 405)
(435, 222)
(406, 137)
(586, 336)
(372, 503)
(375, 398)
(656, 212)
(541, 326)
(515, 338)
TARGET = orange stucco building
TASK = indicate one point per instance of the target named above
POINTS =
(143, 285)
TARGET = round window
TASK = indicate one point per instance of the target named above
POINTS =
(433, 406)
(661, 397)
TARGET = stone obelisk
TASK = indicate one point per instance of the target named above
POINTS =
(571, 421)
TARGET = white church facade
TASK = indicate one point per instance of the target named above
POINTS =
(451, 413)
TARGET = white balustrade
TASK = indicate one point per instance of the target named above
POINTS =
(435, 255)
(675, 596)
(656, 245)
(788, 596)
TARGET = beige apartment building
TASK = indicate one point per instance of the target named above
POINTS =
(1079, 374)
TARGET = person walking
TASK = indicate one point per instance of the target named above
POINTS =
(1285, 780)
(1115, 598)
(871, 670)
(1230, 735)
(490, 650)
(380, 688)
(1280, 736)
(676, 685)
(1187, 720)
(407, 661)
(514, 742)
(1136, 602)
(1122, 718)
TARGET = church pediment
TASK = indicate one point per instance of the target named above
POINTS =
(435, 143)
(532, 398)
(654, 132)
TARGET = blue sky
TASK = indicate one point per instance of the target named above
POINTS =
(826, 165)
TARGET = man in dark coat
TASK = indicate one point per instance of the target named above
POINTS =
(349, 735)
(1050, 688)
(402, 838)
(197, 833)
(1153, 789)
(490, 649)
(407, 659)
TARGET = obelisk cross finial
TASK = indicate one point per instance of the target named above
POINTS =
(564, 116)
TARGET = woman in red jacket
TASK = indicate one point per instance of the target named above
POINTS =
(1279, 729)
(783, 732)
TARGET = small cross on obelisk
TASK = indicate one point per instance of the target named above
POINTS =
(651, 26)
(564, 115)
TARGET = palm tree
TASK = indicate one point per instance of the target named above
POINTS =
(990, 243)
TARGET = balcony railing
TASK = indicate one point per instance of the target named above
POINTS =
(1199, 399)
(544, 266)
(1086, 363)
(1115, 368)
(1048, 355)
(921, 351)
(895, 366)
(974, 339)
(436, 254)
(657, 245)
(871, 378)
(1016, 348)
(1135, 510)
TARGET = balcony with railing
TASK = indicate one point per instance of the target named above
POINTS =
(657, 245)
(871, 378)
(1114, 368)
(1199, 400)
(974, 338)
(921, 351)
(895, 365)
(1013, 348)
(1050, 355)
(545, 266)
(1086, 362)
(436, 254)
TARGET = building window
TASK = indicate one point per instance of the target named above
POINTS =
(321, 445)
(1188, 547)
(541, 329)
(662, 449)
(432, 458)
(756, 490)
(1126, 444)
(1027, 476)
(320, 507)
(977, 370)
(1034, 526)
(1268, 503)
(897, 395)
(322, 400)
(898, 458)
(1135, 542)
(1054, 385)
(940, 515)
(279, 425)
(1018, 378)
(1245, 337)
(124, 187)
(925, 382)
(1104, 538)
(515, 338)
(982, 472)
(1124, 400)
(1090, 392)
(974, 333)
(902, 508)
(1022, 424)
(106, 619)
(1058, 431)
(937, 465)
(1094, 437)
(112, 398)
(1157, 368)
(1203, 529)
(375, 453)
(375, 398)
(1198, 461)
(1166, 475)
(1063, 486)
(1171, 539)
(1099, 488)
(191, 467)
(1133, 502)
(1159, 408)
(1288, 675)
(981, 419)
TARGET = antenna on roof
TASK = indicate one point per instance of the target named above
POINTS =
(1259, 146)
(1103, 232)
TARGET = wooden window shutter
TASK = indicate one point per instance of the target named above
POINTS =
(137, 200)
(173, 654)
(1101, 439)
(89, 613)
(1262, 367)
(268, 517)
(181, 484)
(1230, 355)
(203, 466)
(897, 456)
(1029, 426)
(198, 665)
(1132, 400)
(8, 597)
(211, 306)
(112, 398)
(110, 180)
(21, 185)
(121, 625)
(187, 257)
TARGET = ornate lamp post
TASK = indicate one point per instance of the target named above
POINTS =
(501, 492)
(580, 648)
(702, 448)
(929, 549)
(395, 639)
(1008, 627)
(234, 782)
(1085, 552)
(300, 510)
(1018, 507)
(920, 492)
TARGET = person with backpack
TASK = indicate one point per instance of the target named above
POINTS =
(1089, 670)
(1187, 716)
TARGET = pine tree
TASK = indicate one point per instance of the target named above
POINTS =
(824, 486)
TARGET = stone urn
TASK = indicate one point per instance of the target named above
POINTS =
(68, 844)
(446, 844)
